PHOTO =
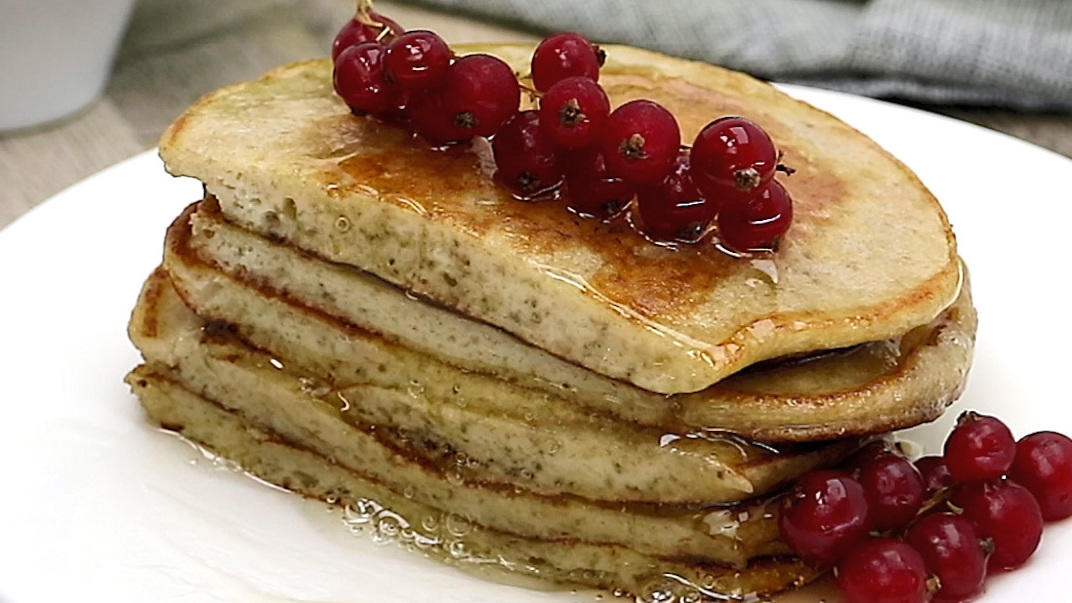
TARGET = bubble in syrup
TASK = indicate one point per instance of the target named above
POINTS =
(457, 525)
(455, 478)
(430, 523)
(457, 549)
(691, 596)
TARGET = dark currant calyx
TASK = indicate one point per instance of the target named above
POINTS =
(465, 120)
(571, 114)
(747, 179)
(633, 147)
(601, 55)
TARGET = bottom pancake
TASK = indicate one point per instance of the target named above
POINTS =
(271, 457)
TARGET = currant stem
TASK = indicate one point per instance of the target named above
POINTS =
(934, 584)
(364, 16)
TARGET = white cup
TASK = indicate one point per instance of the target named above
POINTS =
(55, 56)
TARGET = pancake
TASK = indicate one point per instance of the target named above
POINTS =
(513, 435)
(869, 257)
(207, 362)
(441, 534)
(869, 389)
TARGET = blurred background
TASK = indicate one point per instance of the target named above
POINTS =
(1003, 64)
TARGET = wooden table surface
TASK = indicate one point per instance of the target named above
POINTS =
(176, 51)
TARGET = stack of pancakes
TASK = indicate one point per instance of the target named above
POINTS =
(359, 318)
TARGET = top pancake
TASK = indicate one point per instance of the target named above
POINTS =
(869, 256)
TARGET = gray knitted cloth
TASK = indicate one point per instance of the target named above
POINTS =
(1014, 53)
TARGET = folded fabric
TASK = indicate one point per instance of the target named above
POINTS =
(982, 52)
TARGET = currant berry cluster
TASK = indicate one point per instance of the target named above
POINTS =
(939, 525)
(572, 145)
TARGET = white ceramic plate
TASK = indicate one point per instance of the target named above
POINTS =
(100, 506)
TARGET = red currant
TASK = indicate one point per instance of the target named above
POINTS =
(865, 454)
(480, 92)
(1043, 465)
(894, 490)
(399, 114)
(674, 209)
(641, 141)
(935, 473)
(952, 551)
(823, 516)
(371, 30)
(417, 59)
(592, 191)
(756, 224)
(428, 117)
(574, 112)
(980, 448)
(525, 156)
(565, 55)
(883, 571)
(733, 157)
(1006, 512)
(359, 79)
